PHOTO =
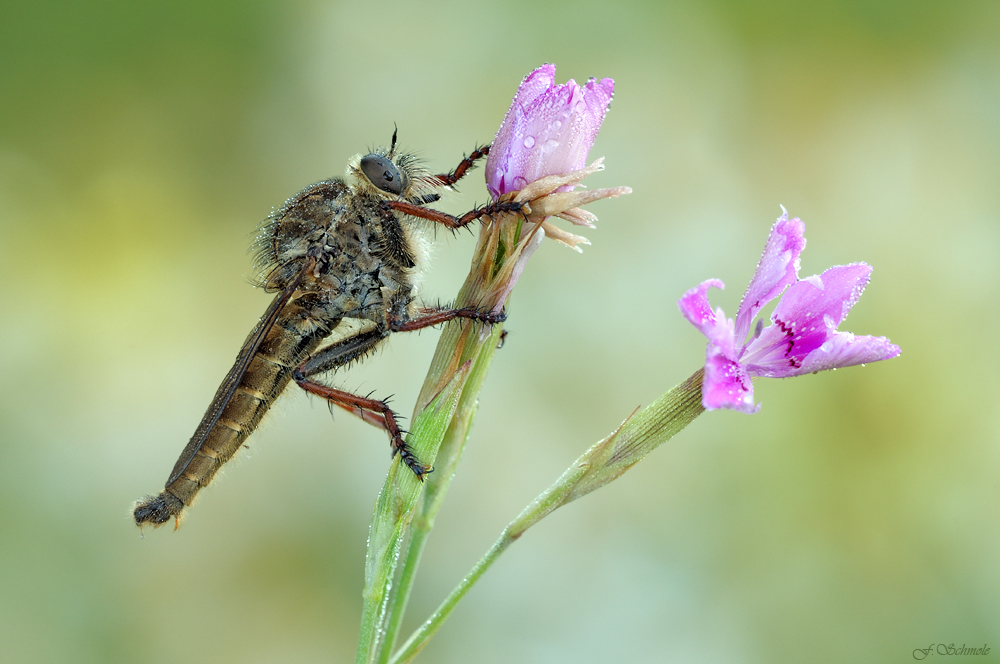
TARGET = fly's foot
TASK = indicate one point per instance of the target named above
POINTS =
(410, 459)
(487, 316)
(498, 207)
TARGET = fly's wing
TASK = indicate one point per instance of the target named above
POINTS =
(235, 375)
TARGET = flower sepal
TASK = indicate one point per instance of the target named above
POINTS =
(543, 198)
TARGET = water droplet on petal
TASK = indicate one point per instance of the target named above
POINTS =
(549, 146)
(529, 142)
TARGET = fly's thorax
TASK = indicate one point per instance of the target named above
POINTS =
(385, 175)
(419, 236)
(296, 229)
(360, 251)
(366, 257)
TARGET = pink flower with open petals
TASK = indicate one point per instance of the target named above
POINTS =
(802, 337)
(548, 130)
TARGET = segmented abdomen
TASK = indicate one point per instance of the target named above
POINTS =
(251, 386)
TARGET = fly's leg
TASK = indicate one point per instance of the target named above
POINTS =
(436, 316)
(452, 222)
(340, 353)
(370, 410)
(463, 166)
(352, 402)
(449, 179)
(415, 207)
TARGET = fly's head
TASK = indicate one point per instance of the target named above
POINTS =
(387, 175)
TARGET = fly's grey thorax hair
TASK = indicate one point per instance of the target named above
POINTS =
(366, 258)
(419, 187)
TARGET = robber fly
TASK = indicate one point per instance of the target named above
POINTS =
(336, 253)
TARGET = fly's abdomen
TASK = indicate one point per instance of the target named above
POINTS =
(262, 371)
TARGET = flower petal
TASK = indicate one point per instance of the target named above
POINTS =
(501, 153)
(845, 350)
(579, 216)
(767, 355)
(550, 183)
(726, 384)
(555, 204)
(806, 320)
(571, 240)
(832, 294)
(713, 324)
(576, 117)
(778, 267)
(548, 130)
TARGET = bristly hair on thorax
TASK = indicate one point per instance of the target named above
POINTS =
(419, 187)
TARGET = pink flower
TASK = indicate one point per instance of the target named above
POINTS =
(548, 130)
(803, 336)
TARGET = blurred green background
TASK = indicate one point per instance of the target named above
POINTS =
(855, 518)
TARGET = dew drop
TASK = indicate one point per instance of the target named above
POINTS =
(549, 146)
(529, 141)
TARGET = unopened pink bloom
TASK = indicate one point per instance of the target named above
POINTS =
(548, 130)
(803, 336)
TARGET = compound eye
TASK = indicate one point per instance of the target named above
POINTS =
(382, 173)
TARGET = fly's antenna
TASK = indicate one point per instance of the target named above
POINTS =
(392, 146)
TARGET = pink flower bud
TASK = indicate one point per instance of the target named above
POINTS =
(548, 130)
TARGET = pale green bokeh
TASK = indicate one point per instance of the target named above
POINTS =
(855, 518)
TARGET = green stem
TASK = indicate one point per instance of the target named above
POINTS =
(393, 512)
(385, 599)
(604, 462)
(436, 488)
(460, 343)
(419, 639)
(544, 504)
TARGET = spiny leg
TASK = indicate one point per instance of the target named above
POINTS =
(488, 210)
(370, 410)
(448, 179)
(373, 419)
(464, 166)
(339, 354)
(352, 401)
(435, 316)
